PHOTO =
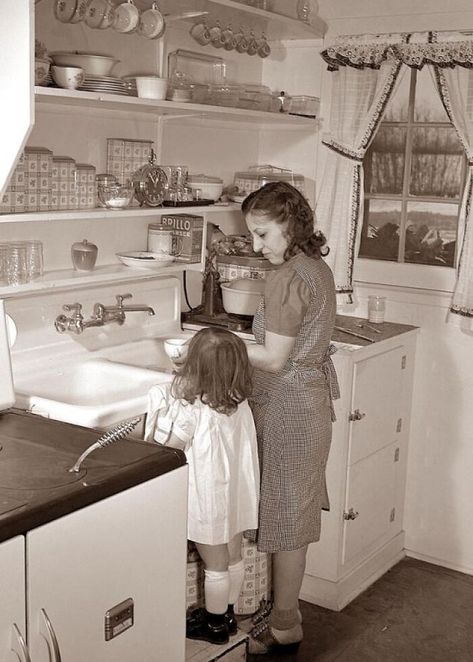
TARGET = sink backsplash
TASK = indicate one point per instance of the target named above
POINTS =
(38, 343)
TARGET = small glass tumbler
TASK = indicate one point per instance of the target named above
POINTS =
(376, 309)
(3, 253)
(34, 259)
(15, 264)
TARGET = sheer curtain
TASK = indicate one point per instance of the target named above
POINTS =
(359, 98)
(365, 69)
(456, 90)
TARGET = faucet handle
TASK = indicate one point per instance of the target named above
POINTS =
(75, 308)
(121, 297)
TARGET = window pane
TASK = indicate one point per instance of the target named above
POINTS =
(384, 165)
(428, 106)
(437, 160)
(398, 107)
(380, 234)
(431, 233)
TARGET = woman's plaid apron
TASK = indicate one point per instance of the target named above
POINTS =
(293, 414)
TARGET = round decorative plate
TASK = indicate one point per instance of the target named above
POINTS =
(145, 260)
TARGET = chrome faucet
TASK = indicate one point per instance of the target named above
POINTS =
(102, 315)
(117, 313)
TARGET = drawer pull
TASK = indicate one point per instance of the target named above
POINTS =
(351, 514)
(356, 415)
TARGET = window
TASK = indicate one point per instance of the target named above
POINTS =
(414, 177)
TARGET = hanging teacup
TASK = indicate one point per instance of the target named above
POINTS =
(151, 23)
(126, 18)
(201, 33)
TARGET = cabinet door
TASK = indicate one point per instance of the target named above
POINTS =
(12, 600)
(371, 497)
(16, 17)
(377, 398)
(81, 566)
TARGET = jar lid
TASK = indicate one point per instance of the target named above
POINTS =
(204, 179)
(159, 228)
(84, 246)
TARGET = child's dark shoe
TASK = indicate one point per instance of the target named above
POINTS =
(211, 628)
(231, 621)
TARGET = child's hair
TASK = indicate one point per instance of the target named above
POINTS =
(216, 370)
(282, 202)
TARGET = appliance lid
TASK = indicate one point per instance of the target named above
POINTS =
(7, 394)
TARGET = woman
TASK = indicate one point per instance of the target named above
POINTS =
(294, 383)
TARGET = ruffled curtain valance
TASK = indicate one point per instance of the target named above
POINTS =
(444, 50)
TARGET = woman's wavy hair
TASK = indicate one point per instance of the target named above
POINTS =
(216, 370)
(282, 202)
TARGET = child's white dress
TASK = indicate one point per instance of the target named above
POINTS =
(222, 455)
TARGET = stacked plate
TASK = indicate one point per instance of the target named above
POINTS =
(104, 84)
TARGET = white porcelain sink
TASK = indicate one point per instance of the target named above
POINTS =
(92, 393)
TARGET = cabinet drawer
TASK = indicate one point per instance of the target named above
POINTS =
(376, 403)
(371, 488)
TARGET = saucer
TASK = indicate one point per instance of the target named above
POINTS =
(145, 259)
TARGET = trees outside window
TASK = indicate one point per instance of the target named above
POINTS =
(414, 174)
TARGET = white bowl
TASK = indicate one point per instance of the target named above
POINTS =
(95, 65)
(242, 296)
(69, 78)
(176, 348)
(151, 87)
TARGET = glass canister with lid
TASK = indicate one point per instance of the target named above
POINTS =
(257, 176)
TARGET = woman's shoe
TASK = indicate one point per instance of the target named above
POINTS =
(211, 628)
(265, 639)
(259, 616)
(231, 621)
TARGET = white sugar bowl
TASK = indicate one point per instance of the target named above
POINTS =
(70, 78)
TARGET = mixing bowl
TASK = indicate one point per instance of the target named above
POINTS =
(242, 295)
(94, 65)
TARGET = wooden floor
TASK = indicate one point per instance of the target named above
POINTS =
(417, 612)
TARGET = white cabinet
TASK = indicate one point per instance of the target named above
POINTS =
(115, 567)
(12, 601)
(362, 534)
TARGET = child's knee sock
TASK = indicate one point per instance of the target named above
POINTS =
(236, 573)
(216, 590)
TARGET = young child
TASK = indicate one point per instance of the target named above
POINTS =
(205, 412)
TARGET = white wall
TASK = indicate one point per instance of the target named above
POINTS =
(438, 499)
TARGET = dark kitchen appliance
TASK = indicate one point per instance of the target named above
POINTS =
(211, 311)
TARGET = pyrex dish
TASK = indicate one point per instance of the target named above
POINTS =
(145, 259)
(210, 187)
(116, 196)
(96, 65)
(304, 105)
(257, 176)
(255, 97)
(197, 67)
(224, 95)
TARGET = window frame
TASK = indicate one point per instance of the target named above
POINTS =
(409, 274)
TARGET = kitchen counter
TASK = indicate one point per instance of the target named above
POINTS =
(35, 455)
(387, 330)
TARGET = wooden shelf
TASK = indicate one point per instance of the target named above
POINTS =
(45, 96)
(100, 214)
(67, 279)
